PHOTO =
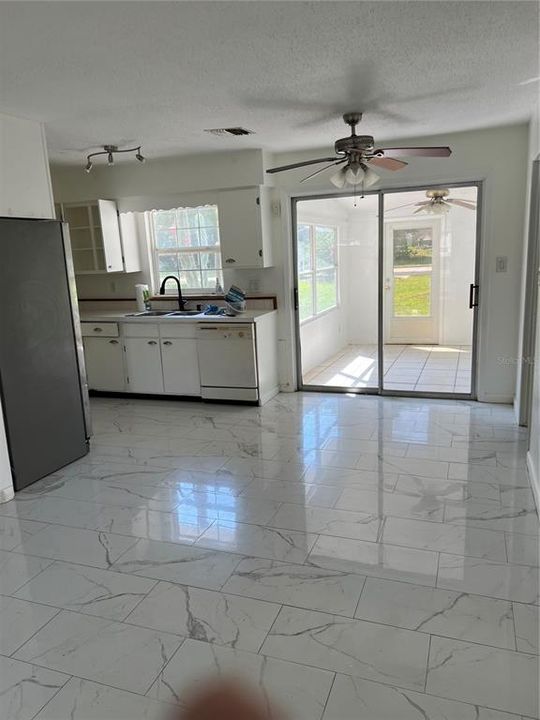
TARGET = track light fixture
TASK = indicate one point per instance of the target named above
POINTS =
(109, 151)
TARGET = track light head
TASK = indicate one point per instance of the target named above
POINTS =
(89, 166)
(110, 159)
(140, 157)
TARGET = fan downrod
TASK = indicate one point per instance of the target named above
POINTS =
(352, 119)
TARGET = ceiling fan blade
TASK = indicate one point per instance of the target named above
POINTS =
(419, 151)
(320, 170)
(425, 202)
(301, 164)
(388, 163)
(420, 209)
(462, 203)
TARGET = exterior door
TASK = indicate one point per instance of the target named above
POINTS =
(411, 285)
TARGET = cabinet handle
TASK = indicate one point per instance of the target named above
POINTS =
(152, 342)
(167, 342)
(98, 329)
(230, 260)
(113, 342)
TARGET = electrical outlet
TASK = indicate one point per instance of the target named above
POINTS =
(501, 264)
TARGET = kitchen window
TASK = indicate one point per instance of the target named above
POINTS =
(317, 247)
(185, 243)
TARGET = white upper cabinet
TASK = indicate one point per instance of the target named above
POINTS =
(100, 241)
(245, 218)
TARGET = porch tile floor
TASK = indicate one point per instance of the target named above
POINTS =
(420, 368)
(349, 557)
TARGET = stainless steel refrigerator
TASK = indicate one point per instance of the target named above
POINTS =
(43, 390)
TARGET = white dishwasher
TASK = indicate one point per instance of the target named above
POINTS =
(227, 361)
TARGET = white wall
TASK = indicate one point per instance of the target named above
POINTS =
(25, 191)
(476, 155)
(533, 457)
(360, 266)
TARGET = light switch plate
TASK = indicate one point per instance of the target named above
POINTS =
(501, 264)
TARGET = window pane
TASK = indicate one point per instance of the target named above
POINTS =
(187, 218)
(305, 296)
(188, 238)
(188, 261)
(208, 216)
(191, 280)
(412, 271)
(210, 260)
(209, 236)
(166, 238)
(325, 247)
(209, 278)
(167, 263)
(164, 219)
(304, 248)
(326, 290)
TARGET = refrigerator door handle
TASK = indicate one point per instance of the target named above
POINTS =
(77, 329)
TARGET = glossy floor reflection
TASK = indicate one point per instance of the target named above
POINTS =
(356, 557)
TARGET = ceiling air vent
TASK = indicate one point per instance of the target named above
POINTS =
(230, 131)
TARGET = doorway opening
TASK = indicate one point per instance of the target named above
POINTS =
(387, 291)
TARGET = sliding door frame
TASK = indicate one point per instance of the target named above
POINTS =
(379, 389)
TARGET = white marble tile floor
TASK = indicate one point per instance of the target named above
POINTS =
(352, 557)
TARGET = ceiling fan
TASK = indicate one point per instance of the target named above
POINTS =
(438, 203)
(357, 153)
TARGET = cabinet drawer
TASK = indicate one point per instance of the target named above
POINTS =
(142, 330)
(172, 329)
(106, 329)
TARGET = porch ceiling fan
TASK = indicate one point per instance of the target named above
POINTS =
(357, 153)
(438, 203)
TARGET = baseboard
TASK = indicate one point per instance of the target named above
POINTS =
(534, 479)
(498, 399)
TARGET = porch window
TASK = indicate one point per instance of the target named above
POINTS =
(317, 269)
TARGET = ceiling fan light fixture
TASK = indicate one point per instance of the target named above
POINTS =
(338, 178)
(354, 173)
(370, 177)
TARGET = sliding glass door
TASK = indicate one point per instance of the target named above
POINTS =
(429, 291)
(387, 290)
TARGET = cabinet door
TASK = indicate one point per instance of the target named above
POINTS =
(180, 366)
(112, 245)
(104, 363)
(240, 229)
(143, 365)
(130, 242)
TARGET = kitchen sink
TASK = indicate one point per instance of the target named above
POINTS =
(150, 313)
(164, 313)
(185, 312)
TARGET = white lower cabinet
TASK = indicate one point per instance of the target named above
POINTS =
(143, 365)
(104, 359)
(180, 366)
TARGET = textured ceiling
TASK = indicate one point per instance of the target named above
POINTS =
(158, 73)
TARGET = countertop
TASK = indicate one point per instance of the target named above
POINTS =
(249, 316)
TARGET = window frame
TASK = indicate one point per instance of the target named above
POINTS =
(312, 274)
(155, 252)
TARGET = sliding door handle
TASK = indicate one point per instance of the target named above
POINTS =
(473, 295)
